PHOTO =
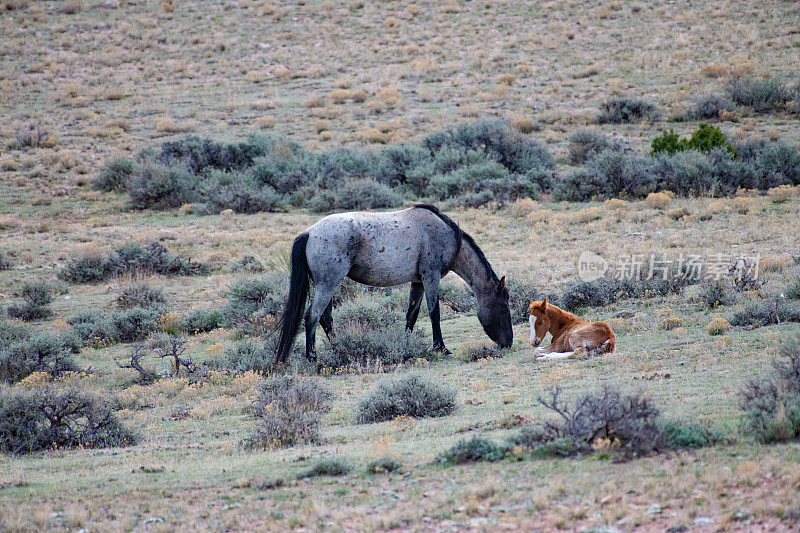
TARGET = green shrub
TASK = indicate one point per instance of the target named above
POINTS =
(411, 395)
(10, 332)
(779, 164)
(132, 257)
(156, 186)
(604, 291)
(765, 313)
(709, 106)
(248, 263)
(287, 411)
(247, 355)
(609, 174)
(792, 291)
(473, 450)
(142, 295)
(384, 465)
(114, 175)
(543, 446)
(270, 173)
(251, 301)
(624, 110)
(369, 329)
(354, 195)
(771, 403)
(704, 139)
(763, 95)
(717, 293)
(87, 269)
(585, 143)
(202, 320)
(94, 327)
(50, 417)
(43, 352)
(134, 324)
(152, 258)
(679, 434)
(498, 140)
(521, 290)
(36, 297)
(329, 466)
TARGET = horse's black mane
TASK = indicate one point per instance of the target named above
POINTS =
(464, 236)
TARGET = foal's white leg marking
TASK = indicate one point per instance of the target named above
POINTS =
(555, 355)
(532, 320)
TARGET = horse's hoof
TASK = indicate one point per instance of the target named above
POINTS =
(441, 350)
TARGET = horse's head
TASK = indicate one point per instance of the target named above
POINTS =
(494, 313)
(540, 322)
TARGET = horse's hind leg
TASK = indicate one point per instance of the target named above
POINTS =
(414, 303)
(326, 320)
(323, 296)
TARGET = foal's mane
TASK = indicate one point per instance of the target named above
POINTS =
(463, 236)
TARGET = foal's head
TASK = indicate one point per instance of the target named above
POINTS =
(540, 322)
(494, 313)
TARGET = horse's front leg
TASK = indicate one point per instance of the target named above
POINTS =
(414, 303)
(431, 286)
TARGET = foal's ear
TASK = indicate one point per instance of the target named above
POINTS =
(501, 285)
(543, 305)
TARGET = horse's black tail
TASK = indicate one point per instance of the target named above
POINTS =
(295, 305)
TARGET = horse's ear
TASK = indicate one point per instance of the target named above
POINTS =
(501, 285)
(543, 307)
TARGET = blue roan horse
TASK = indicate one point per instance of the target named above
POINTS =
(417, 245)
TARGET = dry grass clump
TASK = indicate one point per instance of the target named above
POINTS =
(714, 71)
(679, 213)
(314, 101)
(670, 323)
(168, 125)
(340, 96)
(659, 200)
(783, 193)
(524, 124)
(718, 326)
(507, 79)
(372, 136)
(774, 263)
(266, 122)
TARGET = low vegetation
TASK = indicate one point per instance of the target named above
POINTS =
(477, 163)
(771, 403)
(36, 298)
(411, 395)
(329, 466)
(763, 313)
(131, 258)
(627, 425)
(762, 95)
(473, 450)
(370, 331)
(624, 110)
(55, 417)
(23, 353)
(287, 411)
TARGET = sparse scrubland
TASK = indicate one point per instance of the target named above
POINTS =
(158, 158)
